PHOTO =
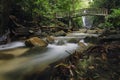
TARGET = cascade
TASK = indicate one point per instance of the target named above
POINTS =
(87, 20)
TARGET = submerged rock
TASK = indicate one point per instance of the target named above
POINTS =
(35, 41)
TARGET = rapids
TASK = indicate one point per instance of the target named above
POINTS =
(34, 58)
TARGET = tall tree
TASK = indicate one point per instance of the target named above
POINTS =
(5, 4)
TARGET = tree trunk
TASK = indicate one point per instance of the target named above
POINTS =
(4, 15)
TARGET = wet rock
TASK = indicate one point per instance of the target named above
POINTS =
(44, 34)
(109, 38)
(50, 39)
(82, 30)
(113, 36)
(38, 33)
(6, 56)
(82, 47)
(35, 41)
(91, 39)
(99, 30)
(81, 44)
(61, 42)
(73, 40)
(92, 31)
(60, 33)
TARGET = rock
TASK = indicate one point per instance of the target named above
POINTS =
(44, 34)
(35, 41)
(73, 40)
(6, 56)
(60, 42)
(60, 33)
(82, 47)
(50, 39)
(92, 31)
(110, 38)
(99, 31)
(114, 36)
(82, 30)
(81, 44)
(38, 33)
(91, 39)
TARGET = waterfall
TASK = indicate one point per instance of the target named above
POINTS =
(87, 20)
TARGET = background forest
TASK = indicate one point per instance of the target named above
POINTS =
(42, 12)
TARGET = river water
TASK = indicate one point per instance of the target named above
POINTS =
(35, 58)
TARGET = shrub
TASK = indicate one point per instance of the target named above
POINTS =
(114, 18)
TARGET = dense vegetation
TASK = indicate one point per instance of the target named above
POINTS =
(42, 12)
(112, 20)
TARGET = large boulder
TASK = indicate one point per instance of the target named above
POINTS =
(35, 41)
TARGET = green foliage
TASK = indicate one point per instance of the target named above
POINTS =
(114, 18)
(109, 4)
(79, 22)
(106, 25)
(114, 13)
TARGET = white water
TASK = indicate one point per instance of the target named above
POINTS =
(81, 35)
(19, 66)
(14, 69)
(87, 21)
(12, 45)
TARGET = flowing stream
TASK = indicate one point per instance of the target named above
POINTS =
(34, 58)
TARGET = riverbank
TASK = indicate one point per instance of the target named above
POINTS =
(98, 62)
